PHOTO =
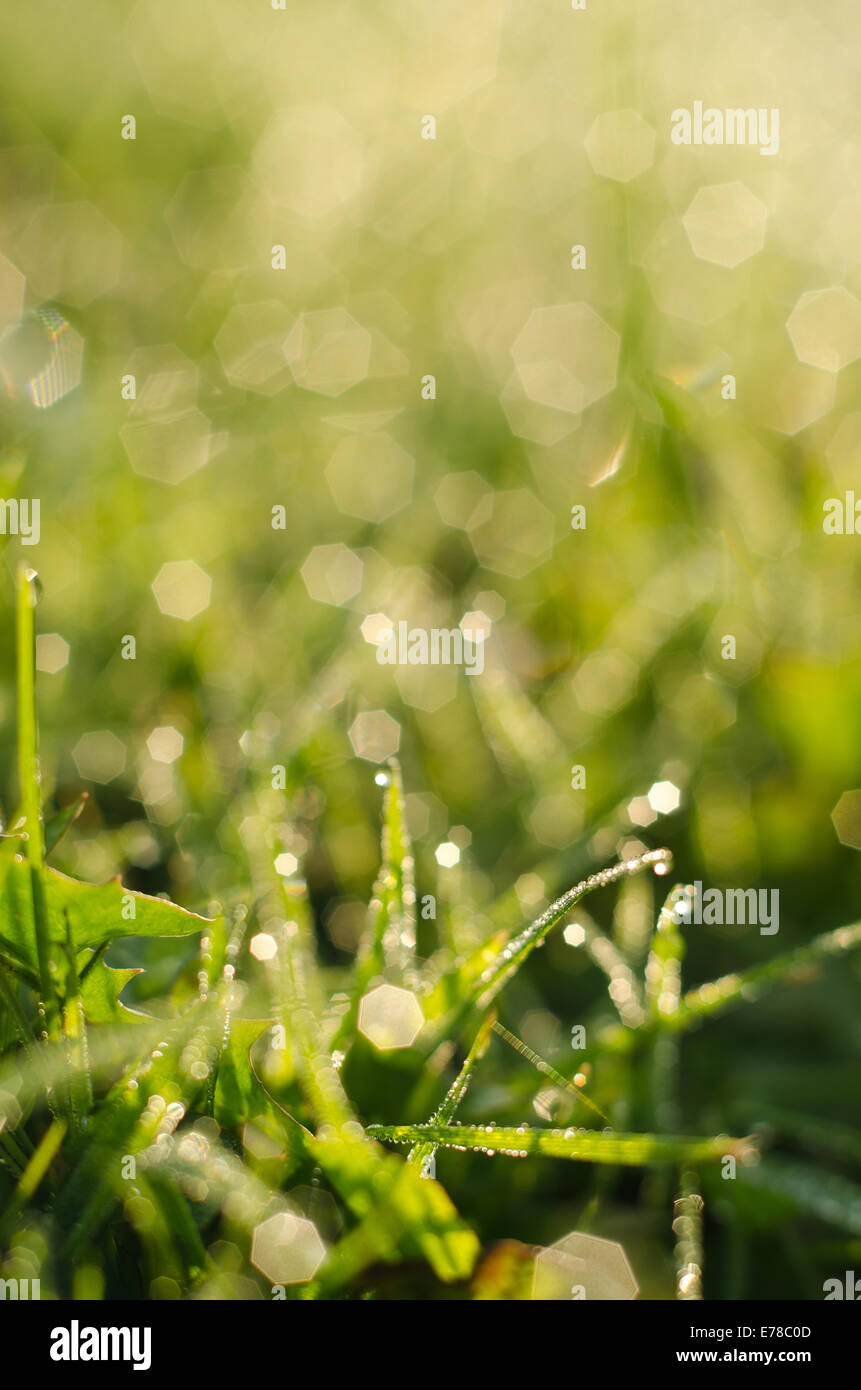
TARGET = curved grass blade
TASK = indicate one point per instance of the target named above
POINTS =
(477, 981)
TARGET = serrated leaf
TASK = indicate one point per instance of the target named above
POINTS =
(101, 986)
(95, 912)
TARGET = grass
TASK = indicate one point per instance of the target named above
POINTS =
(146, 1152)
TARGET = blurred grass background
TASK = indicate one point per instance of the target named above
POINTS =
(406, 257)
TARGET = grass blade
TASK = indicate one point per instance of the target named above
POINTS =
(587, 1146)
(743, 987)
(420, 1155)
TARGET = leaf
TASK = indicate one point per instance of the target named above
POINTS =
(101, 986)
(57, 825)
(239, 1095)
(589, 1146)
(95, 912)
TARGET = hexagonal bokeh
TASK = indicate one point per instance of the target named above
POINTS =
(218, 220)
(376, 628)
(726, 223)
(99, 756)
(620, 145)
(310, 159)
(12, 286)
(795, 397)
(263, 946)
(464, 499)
(375, 736)
(844, 449)
(566, 356)
(583, 1267)
(664, 797)
(847, 819)
(287, 1249)
(328, 351)
(71, 252)
(528, 419)
(249, 344)
(370, 476)
(165, 744)
(517, 535)
(390, 1017)
(52, 653)
(40, 359)
(698, 291)
(182, 589)
(485, 117)
(165, 380)
(825, 328)
(332, 574)
(168, 448)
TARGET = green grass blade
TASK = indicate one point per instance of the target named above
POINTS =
(30, 788)
(420, 1155)
(829, 1196)
(480, 979)
(389, 943)
(563, 1083)
(688, 1230)
(744, 987)
(587, 1146)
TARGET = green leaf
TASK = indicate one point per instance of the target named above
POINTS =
(57, 825)
(101, 986)
(97, 913)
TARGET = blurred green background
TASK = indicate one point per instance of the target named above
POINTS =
(302, 387)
